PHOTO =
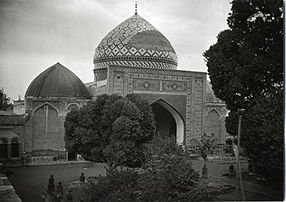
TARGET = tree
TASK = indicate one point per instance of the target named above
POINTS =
(4, 101)
(206, 148)
(246, 71)
(169, 176)
(111, 129)
(247, 59)
(262, 135)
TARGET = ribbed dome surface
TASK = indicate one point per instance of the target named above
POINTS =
(57, 81)
(137, 43)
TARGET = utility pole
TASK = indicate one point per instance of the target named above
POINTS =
(239, 185)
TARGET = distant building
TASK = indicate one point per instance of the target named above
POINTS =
(134, 58)
(18, 107)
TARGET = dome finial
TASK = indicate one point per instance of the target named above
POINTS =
(135, 7)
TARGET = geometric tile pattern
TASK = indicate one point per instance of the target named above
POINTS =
(146, 84)
(132, 63)
(116, 47)
(174, 86)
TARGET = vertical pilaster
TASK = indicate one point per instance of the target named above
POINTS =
(188, 121)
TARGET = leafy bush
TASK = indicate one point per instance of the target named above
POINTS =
(118, 185)
(111, 129)
(124, 153)
(207, 146)
(168, 176)
(163, 145)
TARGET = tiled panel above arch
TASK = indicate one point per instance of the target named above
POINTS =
(146, 84)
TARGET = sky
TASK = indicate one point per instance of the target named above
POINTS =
(36, 34)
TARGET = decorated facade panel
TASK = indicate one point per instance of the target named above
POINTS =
(118, 83)
(178, 86)
(197, 102)
(189, 112)
(146, 84)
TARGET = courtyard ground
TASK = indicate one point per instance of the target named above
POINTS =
(30, 182)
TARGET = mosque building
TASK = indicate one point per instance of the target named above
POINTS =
(133, 58)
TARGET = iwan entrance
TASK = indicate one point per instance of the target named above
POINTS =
(168, 121)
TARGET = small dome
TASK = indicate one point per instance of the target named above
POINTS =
(210, 96)
(57, 81)
(137, 43)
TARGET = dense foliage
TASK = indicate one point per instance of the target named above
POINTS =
(262, 135)
(247, 59)
(4, 101)
(246, 71)
(168, 176)
(111, 129)
(207, 146)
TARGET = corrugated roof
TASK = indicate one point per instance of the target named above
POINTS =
(57, 81)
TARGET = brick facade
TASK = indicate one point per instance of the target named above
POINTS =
(182, 90)
(187, 92)
(12, 134)
(45, 128)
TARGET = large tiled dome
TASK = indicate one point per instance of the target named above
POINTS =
(57, 81)
(137, 43)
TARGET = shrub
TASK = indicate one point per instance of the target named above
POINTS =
(124, 153)
(168, 176)
(118, 185)
(111, 129)
(168, 179)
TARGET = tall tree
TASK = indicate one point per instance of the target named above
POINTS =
(4, 100)
(111, 129)
(246, 71)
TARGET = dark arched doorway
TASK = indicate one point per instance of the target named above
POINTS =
(168, 122)
(15, 147)
(3, 148)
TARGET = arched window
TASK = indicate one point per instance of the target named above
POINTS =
(213, 125)
(3, 148)
(194, 146)
(46, 129)
(15, 147)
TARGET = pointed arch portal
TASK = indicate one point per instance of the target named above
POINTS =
(168, 121)
(46, 132)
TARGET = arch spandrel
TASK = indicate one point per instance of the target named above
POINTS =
(211, 111)
(45, 104)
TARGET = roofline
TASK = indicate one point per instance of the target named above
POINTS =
(135, 58)
(155, 69)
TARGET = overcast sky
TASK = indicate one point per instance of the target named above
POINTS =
(35, 34)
